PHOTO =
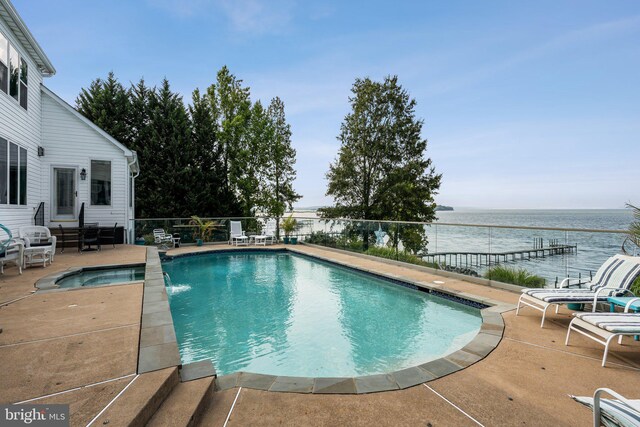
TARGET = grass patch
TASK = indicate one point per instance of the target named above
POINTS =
(391, 253)
(516, 276)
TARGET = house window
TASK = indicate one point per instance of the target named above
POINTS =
(13, 73)
(4, 172)
(101, 182)
(23, 83)
(4, 60)
(13, 173)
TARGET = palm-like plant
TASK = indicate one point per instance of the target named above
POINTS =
(633, 235)
(203, 229)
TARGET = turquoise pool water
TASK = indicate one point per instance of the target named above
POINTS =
(282, 314)
(102, 276)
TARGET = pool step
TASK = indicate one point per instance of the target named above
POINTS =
(140, 401)
(185, 405)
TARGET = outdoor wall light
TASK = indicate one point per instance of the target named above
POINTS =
(83, 174)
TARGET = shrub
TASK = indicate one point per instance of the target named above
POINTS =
(635, 286)
(516, 276)
(391, 253)
(321, 238)
(149, 239)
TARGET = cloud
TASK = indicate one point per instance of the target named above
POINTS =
(251, 17)
(565, 41)
(258, 16)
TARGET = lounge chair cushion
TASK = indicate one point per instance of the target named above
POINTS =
(585, 296)
(614, 412)
(619, 323)
(618, 272)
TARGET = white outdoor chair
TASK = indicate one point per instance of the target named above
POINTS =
(619, 411)
(269, 234)
(13, 254)
(613, 278)
(236, 235)
(37, 236)
(161, 238)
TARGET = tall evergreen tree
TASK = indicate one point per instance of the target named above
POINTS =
(207, 159)
(232, 102)
(382, 171)
(279, 157)
(106, 103)
(173, 168)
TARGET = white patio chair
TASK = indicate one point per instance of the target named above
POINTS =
(13, 254)
(269, 234)
(236, 235)
(38, 236)
(611, 412)
(161, 238)
(613, 278)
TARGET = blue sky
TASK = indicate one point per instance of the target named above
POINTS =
(526, 104)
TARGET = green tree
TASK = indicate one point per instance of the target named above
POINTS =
(382, 171)
(279, 157)
(207, 161)
(231, 100)
(106, 103)
(172, 172)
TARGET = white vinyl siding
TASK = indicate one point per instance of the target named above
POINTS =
(23, 127)
(69, 142)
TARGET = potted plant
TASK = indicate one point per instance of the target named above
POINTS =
(140, 241)
(289, 225)
(202, 229)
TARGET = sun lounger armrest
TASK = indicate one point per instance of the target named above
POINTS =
(629, 304)
(596, 402)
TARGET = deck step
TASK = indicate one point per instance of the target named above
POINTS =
(141, 400)
(185, 405)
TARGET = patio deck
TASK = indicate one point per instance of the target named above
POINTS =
(56, 342)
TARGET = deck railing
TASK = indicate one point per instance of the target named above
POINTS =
(550, 252)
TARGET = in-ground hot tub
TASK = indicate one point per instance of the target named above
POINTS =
(93, 276)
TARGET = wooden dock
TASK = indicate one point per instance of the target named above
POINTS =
(492, 258)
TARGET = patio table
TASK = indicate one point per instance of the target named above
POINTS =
(622, 302)
(37, 254)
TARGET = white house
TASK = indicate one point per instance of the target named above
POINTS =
(52, 159)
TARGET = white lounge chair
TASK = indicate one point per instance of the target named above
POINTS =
(269, 234)
(612, 412)
(13, 254)
(236, 235)
(613, 278)
(161, 238)
(37, 236)
(605, 327)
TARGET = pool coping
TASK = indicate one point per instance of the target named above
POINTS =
(487, 339)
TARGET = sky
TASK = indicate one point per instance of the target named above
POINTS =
(525, 104)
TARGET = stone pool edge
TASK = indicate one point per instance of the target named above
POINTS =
(478, 348)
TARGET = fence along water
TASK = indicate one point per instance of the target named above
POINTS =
(552, 253)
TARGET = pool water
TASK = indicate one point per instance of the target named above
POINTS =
(282, 314)
(102, 276)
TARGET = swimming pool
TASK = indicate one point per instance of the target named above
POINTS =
(98, 276)
(283, 314)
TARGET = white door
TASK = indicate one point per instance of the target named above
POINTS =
(64, 193)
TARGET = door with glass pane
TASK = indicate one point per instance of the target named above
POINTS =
(64, 193)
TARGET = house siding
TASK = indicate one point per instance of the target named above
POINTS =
(70, 142)
(23, 128)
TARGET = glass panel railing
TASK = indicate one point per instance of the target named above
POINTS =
(471, 249)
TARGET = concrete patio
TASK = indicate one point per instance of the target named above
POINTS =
(81, 347)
